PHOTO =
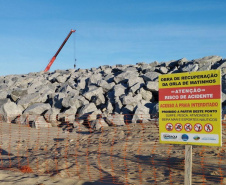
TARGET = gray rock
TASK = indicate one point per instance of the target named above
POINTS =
(132, 81)
(155, 111)
(37, 109)
(40, 122)
(104, 67)
(175, 63)
(53, 76)
(223, 71)
(51, 116)
(107, 71)
(10, 111)
(87, 109)
(118, 105)
(74, 101)
(115, 120)
(128, 110)
(153, 64)
(219, 65)
(118, 90)
(3, 87)
(94, 115)
(163, 70)
(3, 94)
(208, 59)
(129, 100)
(69, 115)
(124, 76)
(131, 69)
(151, 76)
(141, 114)
(3, 101)
(136, 87)
(62, 79)
(146, 95)
(98, 124)
(223, 98)
(152, 86)
(98, 99)
(36, 85)
(56, 99)
(109, 78)
(30, 99)
(94, 78)
(18, 93)
(109, 108)
(98, 91)
(64, 88)
(149, 69)
(190, 68)
(105, 85)
(81, 82)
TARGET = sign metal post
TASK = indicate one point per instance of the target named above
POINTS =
(188, 165)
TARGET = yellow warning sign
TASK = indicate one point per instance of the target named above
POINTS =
(190, 108)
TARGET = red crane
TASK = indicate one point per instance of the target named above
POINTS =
(58, 51)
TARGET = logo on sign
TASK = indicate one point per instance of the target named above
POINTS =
(188, 127)
(208, 127)
(184, 137)
(178, 127)
(198, 127)
(196, 138)
(168, 136)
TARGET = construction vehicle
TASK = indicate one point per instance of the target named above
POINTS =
(58, 51)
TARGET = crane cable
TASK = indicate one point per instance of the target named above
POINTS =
(75, 60)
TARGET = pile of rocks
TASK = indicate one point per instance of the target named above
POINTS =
(97, 97)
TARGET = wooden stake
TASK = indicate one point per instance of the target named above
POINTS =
(188, 165)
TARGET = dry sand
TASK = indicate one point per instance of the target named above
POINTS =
(118, 155)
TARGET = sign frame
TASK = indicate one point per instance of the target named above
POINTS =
(191, 97)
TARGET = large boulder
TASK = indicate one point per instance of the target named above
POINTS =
(37, 109)
(98, 124)
(10, 111)
(190, 68)
(131, 100)
(94, 78)
(105, 85)
(95, 95)
(30, 99)
(125, 76)
(115, 120)
(74, 101)
(18, 93)
(87, 109)
(62, 78)
(40, 122)
(151, 76)
(132, 81)
(51, 116)
(69, 115)
(146, 95)
(3, 94)
(141, 114)
(118, 90)
(152, 86)
(56, 99)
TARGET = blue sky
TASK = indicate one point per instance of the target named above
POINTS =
(108, 32)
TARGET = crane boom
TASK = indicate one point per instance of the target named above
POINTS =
(58, 51)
